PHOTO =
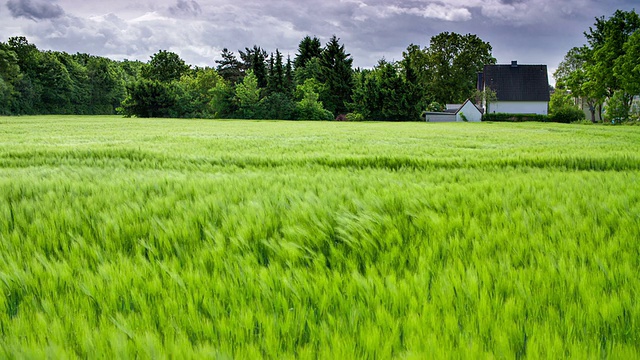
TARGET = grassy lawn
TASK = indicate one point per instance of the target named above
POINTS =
(164, 238)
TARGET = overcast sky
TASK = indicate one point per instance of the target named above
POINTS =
(529, 31)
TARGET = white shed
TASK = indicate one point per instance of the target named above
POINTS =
(456, 113)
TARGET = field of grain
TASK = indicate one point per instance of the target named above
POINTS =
(151, 238)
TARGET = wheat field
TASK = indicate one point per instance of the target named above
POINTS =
(165, 238)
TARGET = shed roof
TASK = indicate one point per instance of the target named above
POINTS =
(518, 82)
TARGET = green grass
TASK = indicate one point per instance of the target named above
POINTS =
(240, 239)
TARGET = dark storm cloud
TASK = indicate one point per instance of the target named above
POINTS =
(34, 9)
(186, 7)
(530, 31)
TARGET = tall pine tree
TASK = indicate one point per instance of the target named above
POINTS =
(256, 59)
(337, 75)
(229, 67)
(276, 83)
(308, 49)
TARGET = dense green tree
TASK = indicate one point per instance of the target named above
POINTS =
(366, 94)
(311, 70)
(149, 99)
(129, 71)
(276, 81)
(28, 88)
(193, 95)
(572, 74)
(627, 66)
(560, 99)
(277, 106)
(106, 88)
(56, 85)
(413, 68)
(80, 88)
(9, 76)
(453, 62)
(337, 75)
(165, 66)
(607, 40)
(309, 48)
(255, 59)
(382, 94)
(229, 67)
(222, 101)
(310, 107)
(248, 96)
(289, 81)
(602, 68)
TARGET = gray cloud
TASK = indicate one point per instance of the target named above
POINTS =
(34, 9)
(186, 7)
(530, 31)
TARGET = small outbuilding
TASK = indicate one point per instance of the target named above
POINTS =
(456, 113)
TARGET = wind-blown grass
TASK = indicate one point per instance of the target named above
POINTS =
(177, 238)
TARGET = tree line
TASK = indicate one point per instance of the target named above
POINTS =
(605, 72)
(319, 82)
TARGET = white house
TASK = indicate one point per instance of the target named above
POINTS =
(456, 112)
(520, 89)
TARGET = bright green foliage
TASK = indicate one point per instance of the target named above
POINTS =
(607, 65)
(195, 98)
(248, 95)
(454, 61)
(560, 99)
(310, 107)
(562, 108)
(607, 40)
(165, 66)
(130, 238)
(628, 66)
(222, 100)
(617, 110)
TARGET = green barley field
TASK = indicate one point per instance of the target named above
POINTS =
(164, 238)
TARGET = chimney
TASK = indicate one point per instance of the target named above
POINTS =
(514, 64)
(480, 83)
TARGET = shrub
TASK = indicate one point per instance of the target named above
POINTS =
(503, 117)
(616, 110)
(277, 106)
(355, 116)
(567, 114)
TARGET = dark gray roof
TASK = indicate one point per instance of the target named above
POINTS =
(518, 82)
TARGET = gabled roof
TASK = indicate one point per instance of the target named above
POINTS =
(465, 103)
(517, 82)
(454, 111)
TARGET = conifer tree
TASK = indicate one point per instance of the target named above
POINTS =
(229, 67)
(337, 75)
